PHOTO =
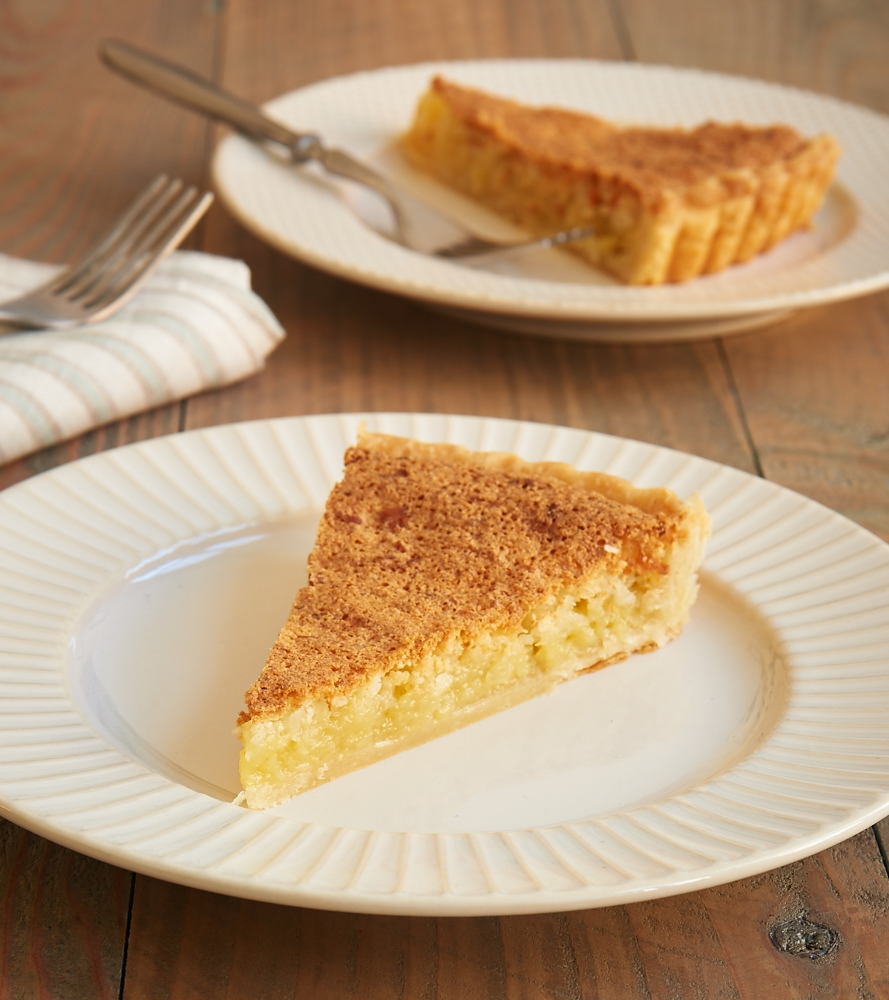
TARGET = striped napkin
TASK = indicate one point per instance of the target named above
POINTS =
(195, 325)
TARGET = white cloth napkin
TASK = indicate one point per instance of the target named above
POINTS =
(195, 325)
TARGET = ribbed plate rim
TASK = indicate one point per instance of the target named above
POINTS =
(787, 800)
(246, 181)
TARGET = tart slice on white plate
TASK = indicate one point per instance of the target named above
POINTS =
(445, 585)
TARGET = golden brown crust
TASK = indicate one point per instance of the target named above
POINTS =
(649, 160)
(419, 543)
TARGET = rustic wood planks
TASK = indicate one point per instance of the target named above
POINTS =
(805, 402)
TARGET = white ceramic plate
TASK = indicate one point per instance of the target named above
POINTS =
(141, 588)
(552, 293)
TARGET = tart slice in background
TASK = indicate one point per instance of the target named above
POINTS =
(668, 204)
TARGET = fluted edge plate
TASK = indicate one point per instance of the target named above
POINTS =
(813, 771)
(551, 293)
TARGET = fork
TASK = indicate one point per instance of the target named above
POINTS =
(119, 264)
(417, 225)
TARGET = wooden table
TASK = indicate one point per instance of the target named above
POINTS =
(803, 403)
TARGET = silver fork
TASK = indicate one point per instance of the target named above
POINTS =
(117, 267)
(418, 226)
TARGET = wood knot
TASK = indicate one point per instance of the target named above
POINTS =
(803, 938)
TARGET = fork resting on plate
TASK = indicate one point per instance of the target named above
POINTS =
(418, 226)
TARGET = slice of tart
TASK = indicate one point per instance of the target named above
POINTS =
(445, 585)
(667, 204)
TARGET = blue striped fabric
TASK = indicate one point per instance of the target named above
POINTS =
(195, 325)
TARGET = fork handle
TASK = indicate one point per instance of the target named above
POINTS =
(195, 92)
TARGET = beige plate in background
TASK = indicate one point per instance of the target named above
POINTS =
(140, 590)
(552, 293)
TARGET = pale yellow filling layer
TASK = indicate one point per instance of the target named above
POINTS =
(602, 621)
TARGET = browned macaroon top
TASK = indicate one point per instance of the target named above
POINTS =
(647, 158)
(414, 549)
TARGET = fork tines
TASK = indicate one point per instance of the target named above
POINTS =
(157, 220)
(108, 277)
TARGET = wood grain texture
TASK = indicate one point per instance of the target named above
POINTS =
(64, 920)
(79, 143)
(843, 889)
(350, 348)
(302, 43)
(701, 946)
(815, 399)
(835, 47)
